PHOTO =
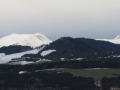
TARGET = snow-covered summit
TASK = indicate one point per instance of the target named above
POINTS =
(33, 40)
(116, 40)
(118, 37)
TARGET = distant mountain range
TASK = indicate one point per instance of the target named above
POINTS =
(18, 46)
(36, 40)
(32, 40)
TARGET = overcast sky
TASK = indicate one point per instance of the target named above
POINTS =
(58, 18)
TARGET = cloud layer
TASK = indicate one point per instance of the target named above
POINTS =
(56, 18)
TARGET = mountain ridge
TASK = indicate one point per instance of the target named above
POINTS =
(67, 47)
(33, 40)
(115, 40)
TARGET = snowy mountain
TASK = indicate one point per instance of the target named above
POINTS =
(115, 40)
(33, 40)
(118, 37)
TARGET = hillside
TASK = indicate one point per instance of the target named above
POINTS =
(68, 47)
(14, 49)
(8, 58)
(101, 45)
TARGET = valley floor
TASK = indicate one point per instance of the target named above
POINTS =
(97, 74)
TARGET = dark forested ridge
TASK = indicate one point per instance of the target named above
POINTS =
(101, 45)
(45, 81)
(36, 76)
(108, 83)
(14, 49)
(69, 48)
(74, 64)
(10, 79)
(82, 45)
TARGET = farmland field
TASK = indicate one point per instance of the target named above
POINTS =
(97, 74)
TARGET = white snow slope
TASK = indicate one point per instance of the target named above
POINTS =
(8, 58)
(47, 52)
(2, 55)
(33, 40)
(115, 40)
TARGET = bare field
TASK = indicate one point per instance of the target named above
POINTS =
(97, 74)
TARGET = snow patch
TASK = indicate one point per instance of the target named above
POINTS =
(62, 59)
(22, 72)
(47, 52)
(21, 63)
(95, 68)
(116, 56)
(44, 60)
(2, 55)
(8, 58)
(79, 59)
